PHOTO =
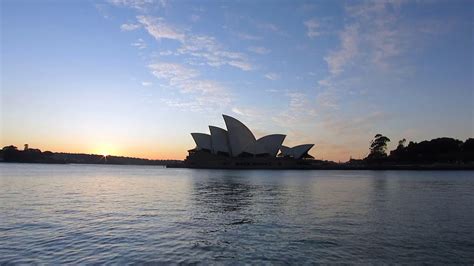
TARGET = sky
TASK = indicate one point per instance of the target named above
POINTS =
(136, 77)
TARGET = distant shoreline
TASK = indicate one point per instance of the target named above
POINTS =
(29, 155)
(351, 168)
(59, 163)
(436, 154)
(436, 167)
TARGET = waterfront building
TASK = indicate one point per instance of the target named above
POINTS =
(237, 147)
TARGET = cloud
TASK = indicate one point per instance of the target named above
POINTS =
(140, 5)
(146, 83)
(129, 27)
(382, 32)
(166, 53)
(328, 100)
(259, 50)
(337, 60)
(237, 111)
(312, 26)
(250, 37)
(140, 44)
(248, 112)
(268, 27)
(188, 105)
(103, 10)
(157, 28)
(202, 47)
(206, 93)
(241, 64)
(374, 36)
(360, 124)
(385, 32)
(195, 18)
(299, 112)
(299, 102)
(175, 73)
(272, 90)
(207, 48)
(272, 76)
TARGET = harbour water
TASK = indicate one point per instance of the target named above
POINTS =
(133, 214)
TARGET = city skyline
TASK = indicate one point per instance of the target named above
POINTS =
(134, 78)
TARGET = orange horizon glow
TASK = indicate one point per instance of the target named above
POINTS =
(107, 150)
(167, 152)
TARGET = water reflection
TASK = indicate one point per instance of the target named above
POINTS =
(223, 205)
(226, 194)
(95, 214)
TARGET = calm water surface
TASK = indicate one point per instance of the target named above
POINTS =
(122, 214)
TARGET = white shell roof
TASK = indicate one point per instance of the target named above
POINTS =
(271, 143)
(219, 139)
(203, 141)
(300, 150)
(297, 151)
(239, 135)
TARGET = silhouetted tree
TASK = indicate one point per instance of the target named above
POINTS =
(378, 147)
(468, 145)
(397, 153)
(401, 144)
(468, 150)
(10, 153)
(10, 148)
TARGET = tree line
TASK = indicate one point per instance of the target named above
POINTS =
(439, 150)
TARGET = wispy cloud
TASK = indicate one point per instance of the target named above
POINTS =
(146, 83)
(237, 111)
(166, 53)
(328, 99)
(103, 10)
(374, 37)
(246, 66)
(175, 73)
(250, 37)
(196, 46)
(195, 18)
(259, 50)
(247, 111)
(272, 76)
(337, 60)
(140, 5)
(140, 44)
(272, 90)
(157, 28)
(355, 124)
(385, 32)
(299, 112)
(312, 26)
(268, 27)
(129, 27)
(206, 93)
(207, 48)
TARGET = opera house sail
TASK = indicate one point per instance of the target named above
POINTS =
(238, 148)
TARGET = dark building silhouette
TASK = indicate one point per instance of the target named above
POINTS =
(237, 147)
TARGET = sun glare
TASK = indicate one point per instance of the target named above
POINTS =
(105, 150)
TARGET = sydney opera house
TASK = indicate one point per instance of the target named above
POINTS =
(237, 147)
